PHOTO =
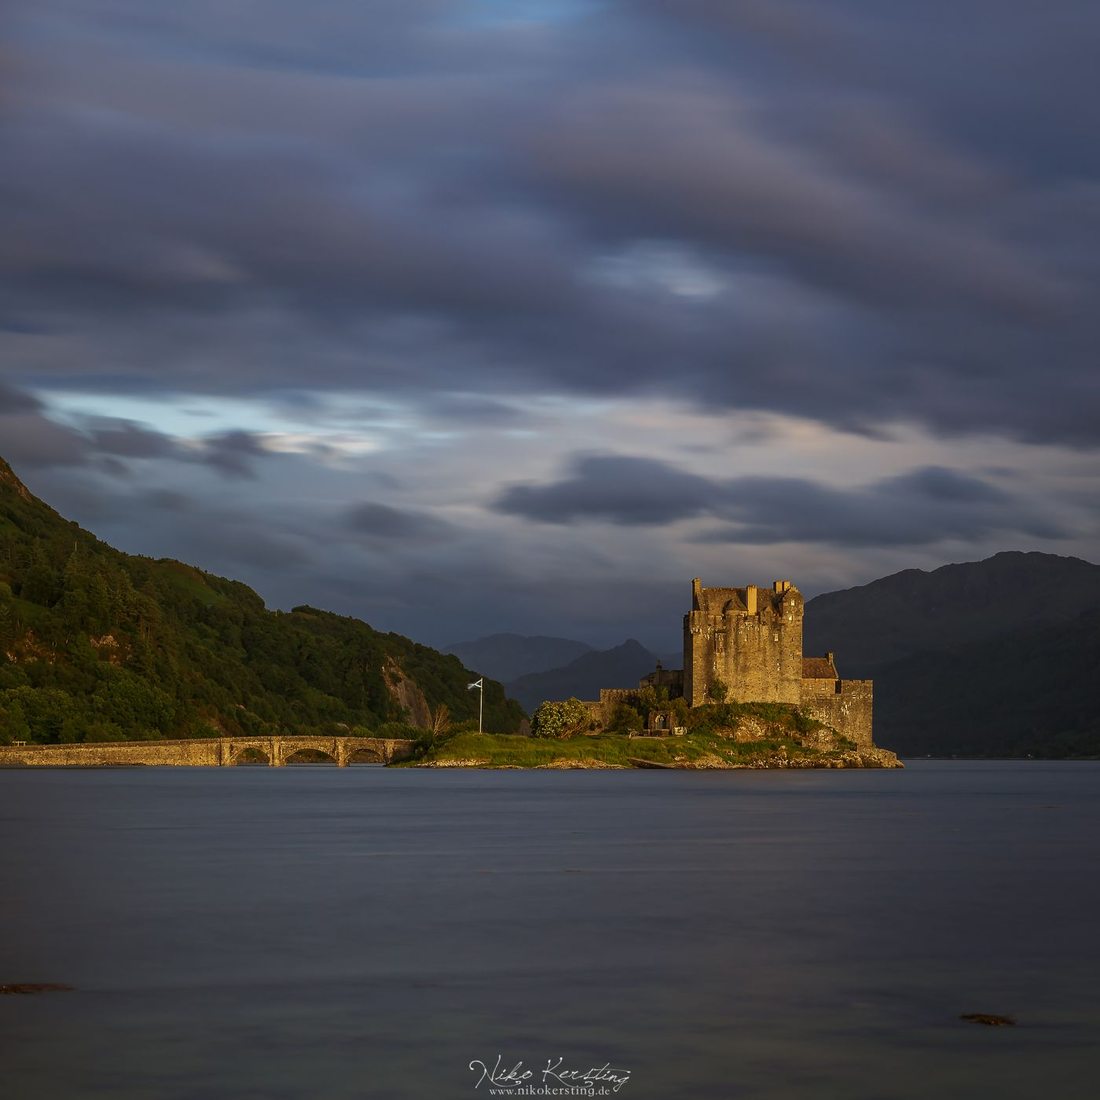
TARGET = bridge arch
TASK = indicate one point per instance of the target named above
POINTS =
(300, 750)
(366, 754)
(249, 754)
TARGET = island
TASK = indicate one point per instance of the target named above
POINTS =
(746, 697)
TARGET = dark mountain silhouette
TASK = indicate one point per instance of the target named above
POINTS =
(509, 656)
(623, 666)
(992, 658)
(916, 611)
(1031, 692)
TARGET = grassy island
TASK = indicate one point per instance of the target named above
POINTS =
(719, 736)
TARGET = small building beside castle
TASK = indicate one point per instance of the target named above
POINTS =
(744, 645)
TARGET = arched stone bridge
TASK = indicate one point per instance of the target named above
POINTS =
(205, 752)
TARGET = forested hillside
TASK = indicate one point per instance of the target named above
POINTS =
(97, 644)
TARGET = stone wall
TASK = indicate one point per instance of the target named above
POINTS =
(847, 707)
(819, 689)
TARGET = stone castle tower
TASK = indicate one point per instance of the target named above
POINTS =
(750, 639)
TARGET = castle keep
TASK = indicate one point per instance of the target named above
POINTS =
(748, 638)
(744, 645)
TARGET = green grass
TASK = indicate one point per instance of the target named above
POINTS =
(615, 750)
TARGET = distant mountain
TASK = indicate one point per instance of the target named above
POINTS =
(917, 611)
(509, 656)
(622, 666)
(1023, 693)
(100, 645)
(992, 658)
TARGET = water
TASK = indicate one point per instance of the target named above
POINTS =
(321, 933)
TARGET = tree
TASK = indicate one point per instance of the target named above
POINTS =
(559, 719)
(13, 724)
(439, 720)
(41, 585)
(625, 719)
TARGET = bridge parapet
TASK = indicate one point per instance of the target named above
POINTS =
(201, 752)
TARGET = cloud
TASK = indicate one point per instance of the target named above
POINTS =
(618, 489)
(169, 500)
(212, 210)
(126, 439)
(380, 521)
(230, 453)
(925, 505)
(405, 260)
(13, 401)
(33, 440)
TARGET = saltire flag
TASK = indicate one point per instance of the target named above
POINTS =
(476, 684)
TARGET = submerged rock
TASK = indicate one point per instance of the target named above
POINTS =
(990, 1019)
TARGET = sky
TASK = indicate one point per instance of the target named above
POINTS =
(493, 315)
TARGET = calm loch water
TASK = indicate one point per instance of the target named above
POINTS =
(321, 933)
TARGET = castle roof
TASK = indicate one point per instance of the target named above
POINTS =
(818, 668)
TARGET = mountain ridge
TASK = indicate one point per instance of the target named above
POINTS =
(870, 626)
(507, 656)
(620, 666)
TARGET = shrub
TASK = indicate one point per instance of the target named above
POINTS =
(559, 719)
(399, 731)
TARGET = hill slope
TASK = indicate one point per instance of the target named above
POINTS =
(97, 644)
(622, 667)
(508, 656)
(993, 658)
(1022, 693)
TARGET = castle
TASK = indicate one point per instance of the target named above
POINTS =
(745, 645)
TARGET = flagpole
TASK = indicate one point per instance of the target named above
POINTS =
(480, 685)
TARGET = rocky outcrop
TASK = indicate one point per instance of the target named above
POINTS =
(876, 758)
(7, 477)
(407, 694)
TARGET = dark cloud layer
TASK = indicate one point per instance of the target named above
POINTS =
(879, 214)
(923, 506)
(412, 251)
(382, 521)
